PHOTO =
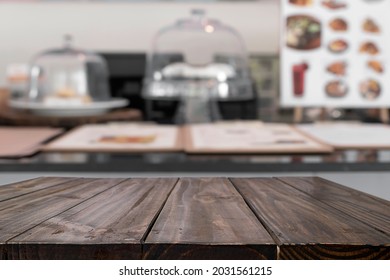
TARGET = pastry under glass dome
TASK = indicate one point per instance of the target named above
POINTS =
(68, 77)
(68, 82)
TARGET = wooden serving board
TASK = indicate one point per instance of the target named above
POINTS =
(251, 137)
(120, 137)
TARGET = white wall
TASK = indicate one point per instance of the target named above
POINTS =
(26, 29)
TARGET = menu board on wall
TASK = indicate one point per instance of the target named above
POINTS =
(335, 53)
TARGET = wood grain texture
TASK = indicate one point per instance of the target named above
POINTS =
(24, 212)
(371, 210)
(28, 186)
(333, 251)
(191, 218)
(300, 223)
(12, 117)
(212, 251)
(110, 225)
(207, 218)
(3, 252)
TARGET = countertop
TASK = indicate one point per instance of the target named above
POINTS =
(348, 160)
(191, 218)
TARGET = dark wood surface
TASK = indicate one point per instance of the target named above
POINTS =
(307, 228)
(200, 218)
(98, 227)
(9, 116)
(191, 218)
(29, 186)
(371, 210)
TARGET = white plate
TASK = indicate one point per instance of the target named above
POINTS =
(91, 109)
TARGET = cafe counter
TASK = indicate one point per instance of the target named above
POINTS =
(346, 154)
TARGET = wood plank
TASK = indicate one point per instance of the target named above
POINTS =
(306, 228)
(206, 218)
(110, 225)
(11, 117)
(371, 210)
(3, 252)
(24, 212)
(28, 186)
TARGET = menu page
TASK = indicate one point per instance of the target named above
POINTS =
(350, 135)
(249, 137)
(119, 138)
(335, 53)
(16, 142)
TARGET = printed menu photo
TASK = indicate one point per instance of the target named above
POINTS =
(334, 53)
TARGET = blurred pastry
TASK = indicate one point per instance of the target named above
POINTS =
(338, 46)
(370, 89)
(126, 139)
(303, 32)
(337, 68)
(65, 92)
(66, 96)
(338, 24)
(333, 4)
(369, 48)
(301, 2)
(375, 65)
(370, 26)
(336, 89)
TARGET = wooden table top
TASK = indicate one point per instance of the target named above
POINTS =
(191, 218)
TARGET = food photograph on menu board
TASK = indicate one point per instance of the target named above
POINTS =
(334, 53)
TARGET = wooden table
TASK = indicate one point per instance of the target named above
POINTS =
(191, 218)
(20, 118)
(12, 117)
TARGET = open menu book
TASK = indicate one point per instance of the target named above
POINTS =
(347, 135)
(120, 137)
(17, 142)
(249, 138)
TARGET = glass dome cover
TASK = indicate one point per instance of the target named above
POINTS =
(198, 56)
(68, 77)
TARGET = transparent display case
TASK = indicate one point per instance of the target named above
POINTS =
(68, 76)
(68, 82)
(198, 61)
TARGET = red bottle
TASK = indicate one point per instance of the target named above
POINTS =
(299, 78)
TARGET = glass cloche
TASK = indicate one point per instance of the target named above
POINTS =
(68, 76)
(68, 82)
(198, 57)
(198, 53)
